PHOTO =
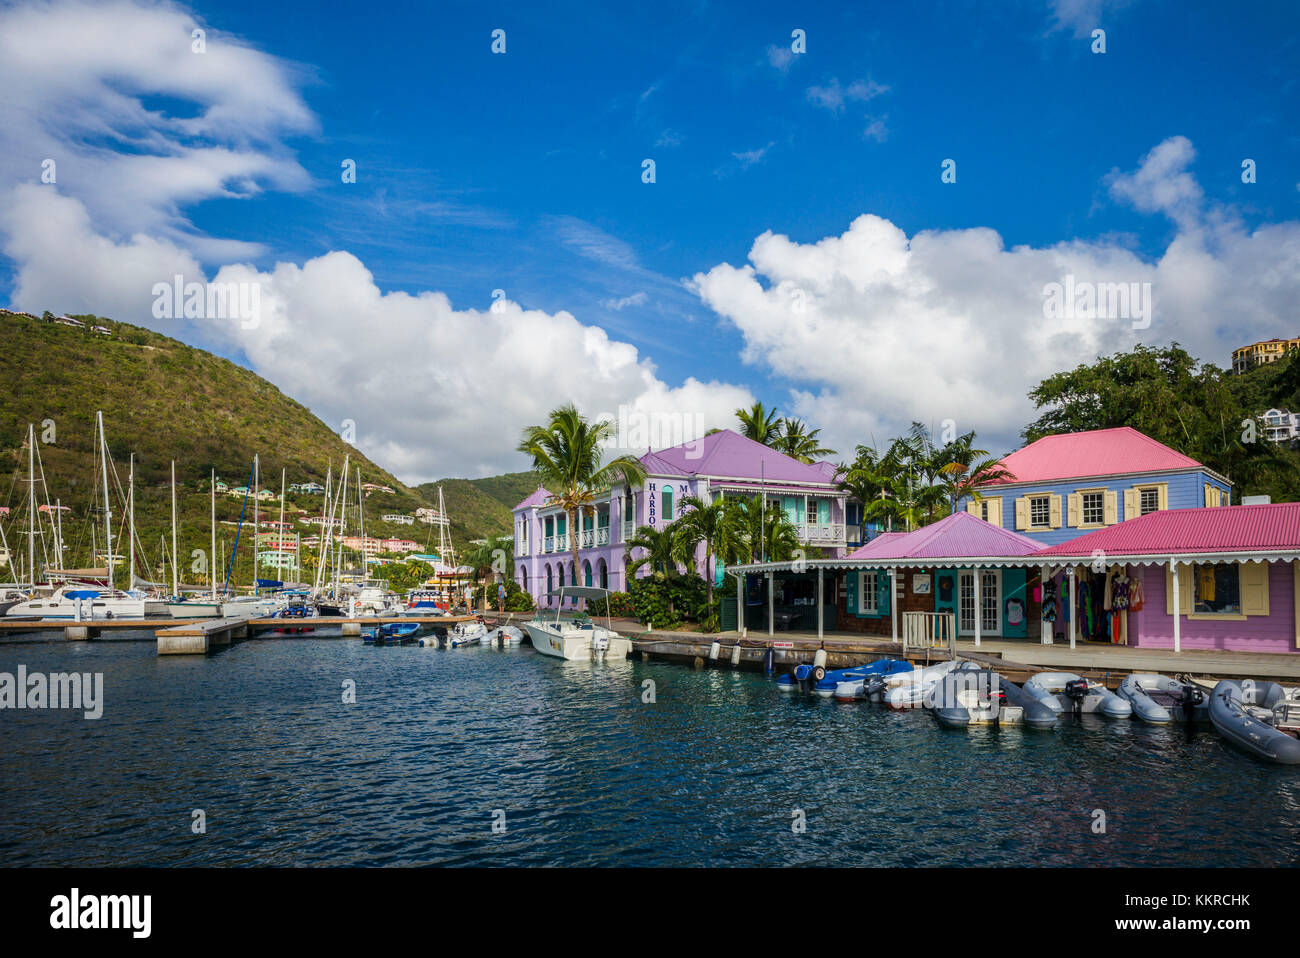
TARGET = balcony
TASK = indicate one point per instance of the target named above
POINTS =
(591, 538)
(629, 529)
(821, 533)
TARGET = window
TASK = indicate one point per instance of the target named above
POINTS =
(1148, 500)
(1040, 512)
(1094, 508)
(666, 501)
(985, 508)
(868, 592)
(1216, 588)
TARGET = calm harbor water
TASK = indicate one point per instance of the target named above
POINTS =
(585, 773)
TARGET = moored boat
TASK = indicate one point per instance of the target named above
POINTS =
(815, 678)
(392, 632)
(467, 633)
(973, 695)
(1159, 699)
(1262, 718)
(577, 637)
(1067, 692)
(909, 690)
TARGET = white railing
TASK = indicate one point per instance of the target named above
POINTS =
(588, 539)
(821, 532)
(930, 630)
(602, 536)
(548, 545)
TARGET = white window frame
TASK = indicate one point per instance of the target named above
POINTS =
(874, 592)
(1046, 500)
(1101, 507)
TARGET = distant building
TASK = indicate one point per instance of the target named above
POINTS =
(399, 519)
(431, 517)
(1265, 351)
(399, 545)
(1281, 425)
(307, 488)
(369, 487)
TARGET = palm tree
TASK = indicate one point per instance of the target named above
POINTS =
(658, 547)
(965, 467)
(798, 443)
(567, 457)
(708, 523)
(759, 424)
(761, 534)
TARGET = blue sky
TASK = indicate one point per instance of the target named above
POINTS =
(522, 172)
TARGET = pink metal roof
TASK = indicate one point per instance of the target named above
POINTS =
(875, 545)
(1099, 452)
(1210, 529)
(959, 535)
(727, 453)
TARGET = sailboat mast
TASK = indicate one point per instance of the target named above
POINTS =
(361, 509)
(256, 481)
(31, 503)
(279, 549)
(175, 572)
(212, 556)
(108, 515)
(130, 506)
(343, 521)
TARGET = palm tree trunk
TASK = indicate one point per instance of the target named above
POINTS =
(575, 521)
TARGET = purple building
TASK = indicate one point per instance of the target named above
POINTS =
(721, 464)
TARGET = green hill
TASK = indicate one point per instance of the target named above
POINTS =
(161, 400)
(480, 508)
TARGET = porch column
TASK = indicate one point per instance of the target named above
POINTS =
(1178, 634)
(979, 610)
(1074, 608)
(893, 602)
(740, 604)
(771, 603)
(1044, 627)
(820, 609)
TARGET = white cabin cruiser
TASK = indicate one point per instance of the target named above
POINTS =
(577, 637)
(81, 602)
(252, 606)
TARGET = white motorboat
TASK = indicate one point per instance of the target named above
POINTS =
(79, 602)
(574, 636)
(467, 633)
(195, 609)
(250, 606)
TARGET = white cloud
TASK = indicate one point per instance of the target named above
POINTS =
(879, 329)
(78, 94)
(876, 129)
(1161, 183)
(780, 57)
(1081, 17)
(832, 96)
(748, 158)
(636, 299)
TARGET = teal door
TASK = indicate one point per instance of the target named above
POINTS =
(945, 590)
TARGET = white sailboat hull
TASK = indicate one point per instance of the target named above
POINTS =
(574, 644)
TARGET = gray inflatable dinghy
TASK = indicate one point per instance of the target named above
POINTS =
(1262, 718)
(1159, 699)
(967, 697)
(1067, 692)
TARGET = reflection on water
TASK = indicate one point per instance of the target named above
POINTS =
(711, 773)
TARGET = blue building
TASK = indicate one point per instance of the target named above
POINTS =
(1067, 485)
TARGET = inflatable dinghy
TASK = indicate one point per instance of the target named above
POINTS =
(1262, 718)
(911, 692)
(467, 633)
(811, 678)
(1067, 692)
(979, 696)
(503, 637)
(875, 686)
(1159, 699)
(397, 632)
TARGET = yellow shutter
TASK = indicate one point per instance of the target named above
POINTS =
(1112, 507)
(1130, 503)
(1075, 502)
(1056, 512)
(973, 507)
(1209, 495)
(1186, 590)
(1022, 513)
(995, 510)
(1164, 495)
(1254, 588)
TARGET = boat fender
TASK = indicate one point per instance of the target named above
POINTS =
(735, 655)
(769, 660)
(819, 661)
(714, 649)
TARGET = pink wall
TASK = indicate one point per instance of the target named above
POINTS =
(1153, 628)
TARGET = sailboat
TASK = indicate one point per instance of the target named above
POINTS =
(182, 606)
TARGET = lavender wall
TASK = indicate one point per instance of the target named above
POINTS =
(1153, 628)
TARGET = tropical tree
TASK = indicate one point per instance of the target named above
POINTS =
(798, 442)
(567, 454)
(965, 467)
(760, 424)
(761, 534)
(658, 550)
(708, 523)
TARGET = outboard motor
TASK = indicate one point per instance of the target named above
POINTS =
(801, 676)
(501, 638)
(1076, 690)
(1188, 700)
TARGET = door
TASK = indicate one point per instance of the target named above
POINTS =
(989, 602)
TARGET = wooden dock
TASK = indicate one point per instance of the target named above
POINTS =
(197, 636)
